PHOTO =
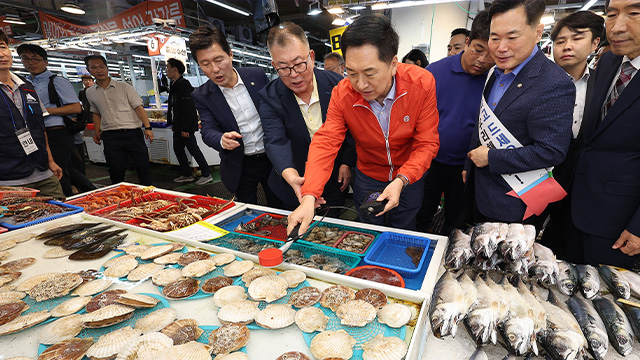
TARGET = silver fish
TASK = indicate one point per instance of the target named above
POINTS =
(515, 243)
(481, 320)
(519, 266)
(562, 345)
(589, 280)
(633, 279)
(567, 278)
(545, 268)
(592, 326)
(470, 292)
(618, 285)
(617, 324)
(459, 251)
(479, 354)
(633, 315)
(484, 239)
(519, 328)
(447, 303)
(539, 313)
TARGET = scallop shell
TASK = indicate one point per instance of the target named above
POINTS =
(229, 338)
(327, 344)
(146, 347)
(177, 246)
(198, 268)
(7, 244)
(241, 311)
(394, 315)
(166, 276)
(293, 277)
(104, 299)
(307, 296)
(356, 313)
(62, 329)
(384, 348)
(136, 249)
(56, 286)
(293, 355)
(144, 271)
(190, 351)
(268, 288)
(70, 306)
(157, 251)
(276, 316)
(214, 284)
(170, 258)
(7, 288)
(108, 315)
(193, 256)
(137, 300)
(92, 287)
(181, 289)
(223, 259)
(255, 273)
(57, 252)
(157, 320)
(4, 255)
(233, 356)
(90, 274)
(9, 277)
(18, 264)
(71, 349)
(11, 311)
(229, 294)
(238, 268)
(19, 358)
(121, 268)
(311, 319)
(183, 331)
(117, 259)
(334, 296)
(374, 297)
(24, 322)
(7, 297)
(110, 344)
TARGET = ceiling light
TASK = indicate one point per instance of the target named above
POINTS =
(358, 7)
(229, 7)
(314, 9)
(547, 20)
(599, 13)
(339, 21)
(350, 19)
(72, 7)
(336, 10)
(588, 5)
(13, 19)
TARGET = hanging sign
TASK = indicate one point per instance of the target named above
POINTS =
(334, 37)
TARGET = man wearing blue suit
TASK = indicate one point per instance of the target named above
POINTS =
(533, 100)
(227, 105)
(293, 108)
(605, 201)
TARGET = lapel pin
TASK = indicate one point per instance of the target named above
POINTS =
(406, 118)
(252, 83)
(519, 85)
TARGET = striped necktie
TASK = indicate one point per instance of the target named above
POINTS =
(623, 79)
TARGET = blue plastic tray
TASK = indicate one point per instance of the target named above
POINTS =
(389, 251)
(375, 235)
(233, 221)
(13, 226)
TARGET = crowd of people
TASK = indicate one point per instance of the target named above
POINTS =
(496, 127)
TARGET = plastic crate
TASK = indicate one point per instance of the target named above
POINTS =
(74, 210)
(375, 234)
(90, 202)
(244, 243)
(389, 251)
(364, 251)
(209, 201)
(351, 260)
(105, 212)
(27, 193)
(277, 232)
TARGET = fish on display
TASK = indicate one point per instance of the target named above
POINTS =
(470, 292)
(545, 268)
(518, 329)
(513, 246)
(488, 264)
(92, 239)
(479, 354)
(617, 324)
(634, 282)
(592, 326)
(539, 313)
(633, 315)
(589, 280)
(562, 338)
(459, 250)
(447, 303)
(481, 320)
(64, 230)
(567, 278)
(618, 285)
(98, 250)
(484, 239)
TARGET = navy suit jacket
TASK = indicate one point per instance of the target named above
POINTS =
(287, 137)
(216, 118)
(606, 189)
(537, 109)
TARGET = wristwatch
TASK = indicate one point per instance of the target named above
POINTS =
(405, 180)
(148, 128)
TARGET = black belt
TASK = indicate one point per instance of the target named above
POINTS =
(257, 156)
(121, 130)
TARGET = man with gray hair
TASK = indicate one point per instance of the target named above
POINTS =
(334, 62)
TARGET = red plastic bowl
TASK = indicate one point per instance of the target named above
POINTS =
(377, 274)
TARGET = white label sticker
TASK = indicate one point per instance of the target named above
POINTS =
(26, 141)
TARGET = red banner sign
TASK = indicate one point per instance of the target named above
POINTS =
(137, 16)
(6, 27)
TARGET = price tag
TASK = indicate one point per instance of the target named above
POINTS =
(26, 141)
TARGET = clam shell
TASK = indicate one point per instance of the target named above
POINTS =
(334, 296)
(268, 288)
(384, 348)
(121, 268)
(104, 299)
(166, 276)
(9, 277)
(56, 286)
(356, 313)
(157, 251)
(92, 287)
(144, 271)
(190, 351)
(237, 268)
(146, 347)
(57, 252)
(24, 322)
(276, 316)
(70, 306)
(193, 256)
(170, 258)
(157, 320)
(136, 249)
(229, 294)
(62, 329)
(255, 273)
(18, 264)
(198, 268)
(110, 344)
(116, 260)
(293, 277)
(183, 331)
(223, 259)
(71, 349)
(293, 355)
(7, 244)
(394, 315)
(307, 296)
(181, 289)
(233, 356)
(329, 344)
(137, 300)
(241, 311)
(228, 338)
(11, 311)
(311, 319)
(108, 315)
(214, 284)
(7, 297)
(374, 297)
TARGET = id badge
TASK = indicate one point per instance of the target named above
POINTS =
(26, 141)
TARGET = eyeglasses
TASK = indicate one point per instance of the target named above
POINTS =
(25, 59)
(298, 68)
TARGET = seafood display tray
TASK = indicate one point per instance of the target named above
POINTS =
(102, 192)
(389, 251)
(7, 223)
(18, 193)
(145, 197)
(277, 232)
(351, 229)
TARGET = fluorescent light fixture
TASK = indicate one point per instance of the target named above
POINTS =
(72, 7)
(599, 13)
(588, 5)
(339, 22)
(135, 43)
(547, 20)
(229, 7)
(383, 5)
(106, 41)
(350, 19)
(314, 9)
(336, 10)
(13, 19)
(328, 45)
(358, 7)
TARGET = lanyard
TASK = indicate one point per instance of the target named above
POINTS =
(24, 106)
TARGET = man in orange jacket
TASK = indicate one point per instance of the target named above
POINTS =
(390, 109)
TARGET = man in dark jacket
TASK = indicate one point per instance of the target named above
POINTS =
(182, 113)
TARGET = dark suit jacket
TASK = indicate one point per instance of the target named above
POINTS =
(606, 189)
(539, 114)
(181, 112)
(216, 118)
(287, 138)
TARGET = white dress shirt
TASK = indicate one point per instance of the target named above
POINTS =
(581, 94)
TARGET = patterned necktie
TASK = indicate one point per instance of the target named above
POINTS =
(623, 79)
